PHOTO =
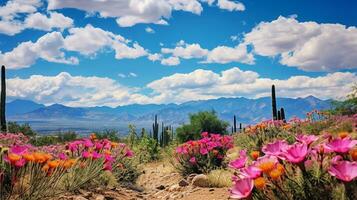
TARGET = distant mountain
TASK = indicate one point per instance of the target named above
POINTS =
(247, 111)
(18, 106)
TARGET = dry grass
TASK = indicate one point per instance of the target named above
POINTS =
(220, 178)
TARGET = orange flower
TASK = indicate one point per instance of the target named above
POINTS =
(275, 174)
(267, 166)
(353, 154)
(48, 156)
(29, 157)
(114, 144)
(255, 154)
(280, 167)
(13, 157)
(260, 183)
(45, 168)
(69, 163)
(343, 134)
(53, 163)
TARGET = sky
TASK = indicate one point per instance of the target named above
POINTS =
(119, 52)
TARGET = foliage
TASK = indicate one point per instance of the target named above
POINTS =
(312, 167)
(25, 129)
(57, 138)
(147, 149)
(29, 172)
(204, 155)
(348, 106)
(206, 121)
(110, 134)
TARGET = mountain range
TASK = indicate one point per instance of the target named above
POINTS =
(58, 117)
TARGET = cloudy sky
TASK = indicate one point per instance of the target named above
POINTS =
(118, 52)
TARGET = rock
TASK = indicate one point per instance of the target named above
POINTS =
(211, 190)
(175, 188)
(79, 198)
(183, 183)
(200, 180)
(161, 187)
(190, 177)
(99, 197)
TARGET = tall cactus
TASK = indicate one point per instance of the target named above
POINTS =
(282, 113)
(155, 130)
(273, 103)
(234, 124)
(240, 127)
(3, 100)
(279, 115)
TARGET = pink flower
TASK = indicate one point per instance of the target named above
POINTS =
(344, 170)
(86, 154)
(250, 172)
(341, 145)
(20, 162)
(96, 155)
(19, 150)
(108, 166)
(242, 188)
(62, 156)
(307, 139)
(203, 151)
(98, 145)
(204, 134)
(296, 153)
(276, 148)
(108, 158)
(240, 161)
(129, 153)
(336, 159)
(193, 160)
(87, 143)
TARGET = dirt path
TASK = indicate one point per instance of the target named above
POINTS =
(158, 181)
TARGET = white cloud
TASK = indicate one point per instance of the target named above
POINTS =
(155, 57)
(170, 61)
(186, 51)
(86, 41)
(149, 30)
(49, 47)
(224, 54)
(18, 15)
(42, 22)
(230, 5)
(73, 90)
(234, 38)
(131, 74)
(307, 45)
(130, 12)
(206, 84)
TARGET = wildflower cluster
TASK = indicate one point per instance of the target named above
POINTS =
(29, 172)
(314, 167)
(204, 155)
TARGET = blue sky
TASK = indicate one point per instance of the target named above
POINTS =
(89, 54)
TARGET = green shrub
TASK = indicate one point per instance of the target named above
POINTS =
(206, 121)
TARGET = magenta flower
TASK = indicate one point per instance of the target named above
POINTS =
(336, 159)
(296, 153)
(108, 166)
(344, 170)
(204, 134)
(341, 145)
(276, 148)
(240, 161)
(193, 160)
(87, 143)
(129, 153)
(19, 150)
(20, 162)
(86, 154)
(62, 156)
(108, 158)
(242, 188)
(306, 139)
(203, 151)
(250, 172)
(96, 155)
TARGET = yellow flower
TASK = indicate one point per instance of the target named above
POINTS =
(275, 174)
(267, 166)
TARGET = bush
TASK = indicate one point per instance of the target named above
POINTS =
(206, 121)
(147, 149)
(110, 134)
(203, 155)
(25, 129)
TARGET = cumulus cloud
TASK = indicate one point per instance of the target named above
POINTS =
(230, 5)
(131, 12)
(186, 51)
(155, 57)
(18, 15)
(170, 61)
(234, 82)
(73, 90)
(307, 45)
(86, 40)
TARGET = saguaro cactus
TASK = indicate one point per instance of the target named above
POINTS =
(282, 113)
(3, 100)
(234, 124)
(155, 130)
(279, 115)
(273, 103)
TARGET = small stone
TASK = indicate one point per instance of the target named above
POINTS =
(99, 197)
(161, 187)
(174, 188)
(183, 183)
(200, 180)
(211, 190)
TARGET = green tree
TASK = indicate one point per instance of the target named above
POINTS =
(110, 134)
(25, 129)
(348, 106)
(206, 121)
